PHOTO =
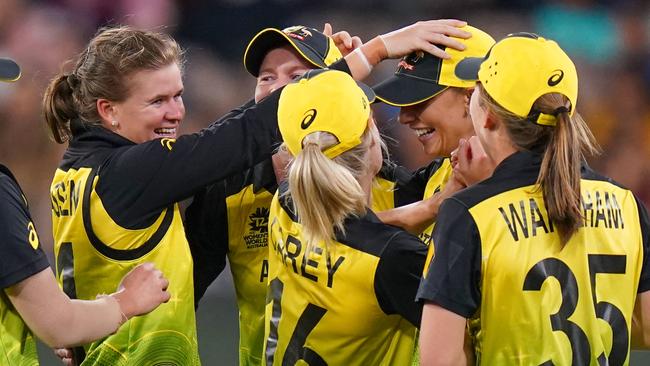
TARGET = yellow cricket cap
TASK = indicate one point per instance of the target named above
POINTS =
(521, 68)
(328, 101)
(421, 76)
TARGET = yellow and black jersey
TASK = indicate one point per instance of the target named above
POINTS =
(343, 306)
(499, 262)
(438, 173)
(230, 218)
(395, 186)
(22, 257)
(114, 205)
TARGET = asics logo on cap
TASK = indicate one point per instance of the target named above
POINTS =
(308, 119)
(556, 77)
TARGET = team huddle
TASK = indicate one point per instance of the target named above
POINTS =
(506, 249)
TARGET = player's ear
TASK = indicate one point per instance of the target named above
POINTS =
(491, 121)
(106, 111)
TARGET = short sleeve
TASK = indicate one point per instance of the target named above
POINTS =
(22, 255)
(398, 275)
(452, 278)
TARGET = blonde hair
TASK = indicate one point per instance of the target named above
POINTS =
(326, 191)
(102, 71)
(564, 145)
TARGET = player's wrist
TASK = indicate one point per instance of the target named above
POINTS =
(375, 51)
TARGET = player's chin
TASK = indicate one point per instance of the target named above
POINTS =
(434, 148)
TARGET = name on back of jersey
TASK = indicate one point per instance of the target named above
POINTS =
(307, 265)
(528, 217)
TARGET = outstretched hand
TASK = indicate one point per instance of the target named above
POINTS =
(343, 40)
(427, 36)
(142, 290)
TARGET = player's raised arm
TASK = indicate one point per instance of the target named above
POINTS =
(427, 36)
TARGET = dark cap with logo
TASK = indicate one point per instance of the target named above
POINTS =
(311, 44)
(9, 70)
(421, 76)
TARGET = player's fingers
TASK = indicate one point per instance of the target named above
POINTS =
(63, 353)
(476, 147)
(453, 22)
(327, 29)
(453, 157)
(436, 26)
(441, 39)
(356, 42)
(165, 283)
(463, 154)
(432, 49)
(166, 296)
(344, 38)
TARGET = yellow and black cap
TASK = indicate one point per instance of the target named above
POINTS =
(9, 70)
(311, 44)
(521, 68)
(324, 101)
(421, 76)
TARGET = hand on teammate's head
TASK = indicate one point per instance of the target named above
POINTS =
(426, 36)
(343, 40)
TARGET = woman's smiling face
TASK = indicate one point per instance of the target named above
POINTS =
(154, 108)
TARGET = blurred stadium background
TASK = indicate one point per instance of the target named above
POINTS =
(609, 40)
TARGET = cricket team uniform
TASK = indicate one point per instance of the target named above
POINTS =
(230, 219)
(22, 257)
(235, 211)
(114, 205)
(499, 262)
(342, 306)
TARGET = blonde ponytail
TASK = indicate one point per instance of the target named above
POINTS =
(325, 191)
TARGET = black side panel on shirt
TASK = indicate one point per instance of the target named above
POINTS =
(644, 282)
(206, 228)
(206, 222)
(455, 285)
(19, 259)
(409, 187)
(398, 276)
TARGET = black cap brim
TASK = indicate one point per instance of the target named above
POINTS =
(9, 70)
(269, 39)
(404, 91)
(467, 69)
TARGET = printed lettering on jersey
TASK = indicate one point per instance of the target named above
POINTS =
(306, 261)
(64, 196)
(258, 234)
(528, 217)
(562, 297)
